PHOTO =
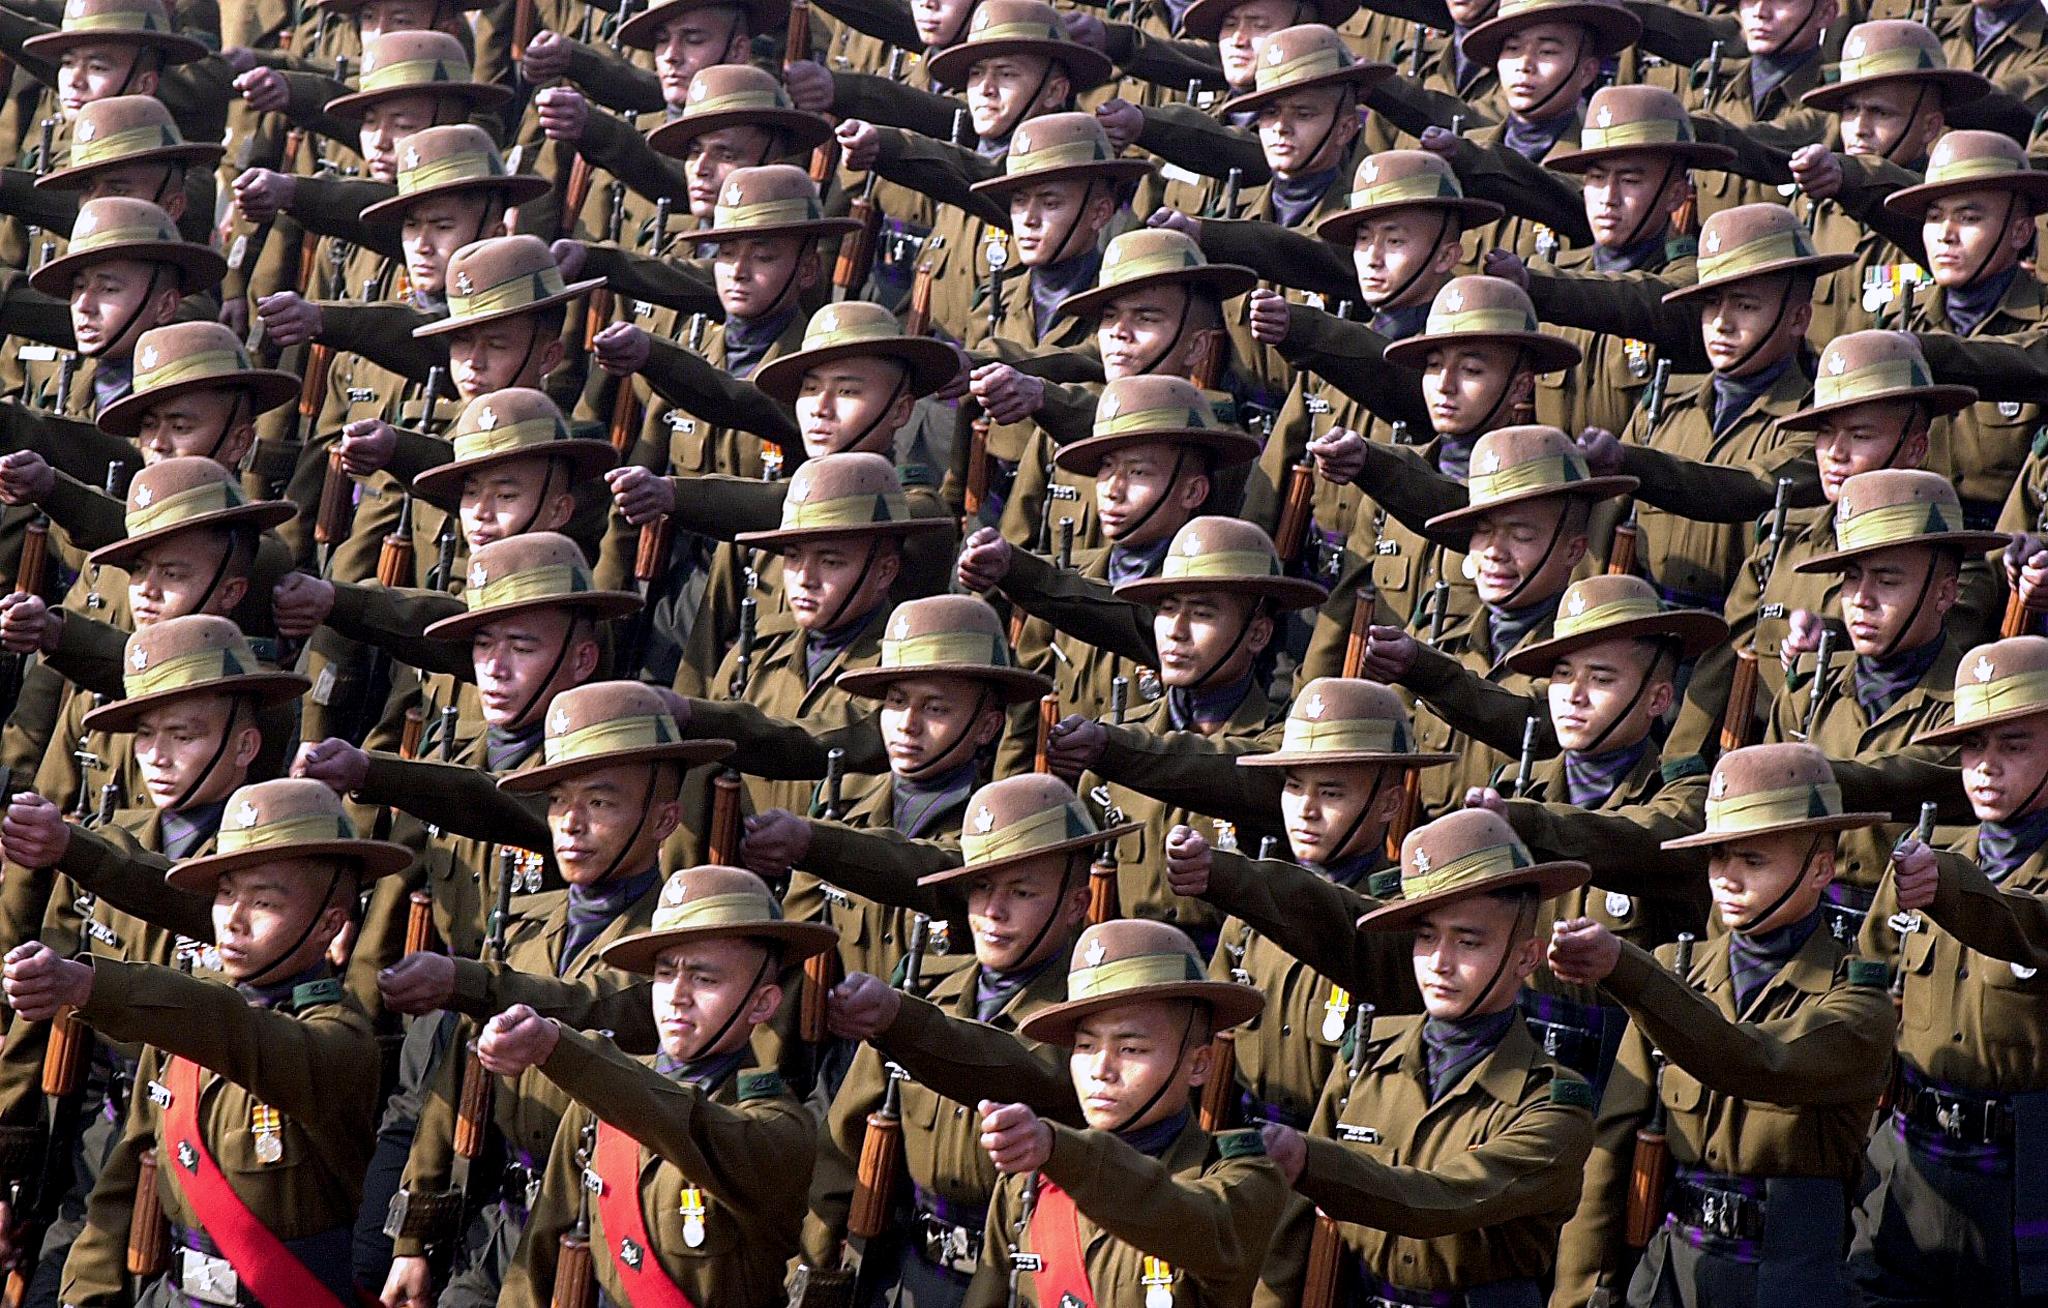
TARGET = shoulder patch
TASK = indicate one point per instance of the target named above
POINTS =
(2041, 441)
(1869, 972)
(1571, 1092)
(1681, 247)
(1681, 767)
(761, 1083)
(1384, 884)
(915, 474)
(1240, 1144)
(314, 993)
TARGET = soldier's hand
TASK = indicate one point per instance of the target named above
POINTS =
(1074, 745)
(984, 560)
(39, 981)
(1582, 952)
(1121, 122)
(1286, 1148)
(410, 1284)
(773, 843)
(289, 319)
(515, 1040)
(1174, 220)
(1602, 451)
(1818, 171)
(27, 625)
(239, 59)
(34, 833)
(862, 1007)
(1006, 395)
(564, 113)
(1188, 861)
(1802, 636)
(547, 57)
(1916, 872)
(264, 89)
(333, 762)
(1488, 798)
(25, 478)
(1016, 1139)
(640, 495)
(1441, 142)
(1269, 315)
(1339, 454)
(860, 144)
(418, 983)
(1506, 265)
(1389, 654)
(955, 389)
(810, 86)
(622, 349)
(262, 194)
(300, 603)
(569, 257)
(367, 445)
(1086, 29)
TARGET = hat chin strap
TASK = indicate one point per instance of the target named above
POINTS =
(1564, 82)
(156, 270)
(227, 733)
(1777, 321)
(1364, 812)
(1187, 1033)
(1527, 907)
(1507, 601)
(939, 764)
(1653, 209)
(739, 1007)
(1428, 261)
(646, 808)
(554, 670)
(1180, 455)
(1180, 329)
(305, 932)
(1642, 687)
(1926, 584)
(1771, 909)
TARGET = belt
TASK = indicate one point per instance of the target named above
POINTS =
(521, 1185)
(1728, 1214)
(947, 1244)
(1960, 1117)
(1846, 906)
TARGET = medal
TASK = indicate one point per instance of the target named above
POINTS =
(1158, 1283)
(693, 1216)
(1226, 835)
(996, 253)
(269, 1128)
(1638, 355)
(1335, 1010)
(1619, 905)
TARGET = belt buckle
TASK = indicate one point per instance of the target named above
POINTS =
(949, 1246)
(1948, 1115)
(208, 1279)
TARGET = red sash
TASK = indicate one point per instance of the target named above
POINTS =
(1056, 1238)
(625, 1226)
(268, 1271)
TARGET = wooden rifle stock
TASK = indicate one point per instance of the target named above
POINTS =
(419, 922)
(1621, 554)
(1048, 718)
(1205, 363)
(1650, 1174)
(822, 969)
(1220, 1089)
(1291, 533)
(395, 555)
(473, 1111)
(857, 250)
(30, 569)
(598, 309)
(1326, 1245)
(1363, 603)
(626, 416)
(313, 391)
(65, 1054)
(337, 502)
(147, 1230)
(522, 32)
(575, 1276)
(414, 730)
(976, 489)
(2018, 617)
(575, 194)
(1738, 719)
(881, 1146)
(723, 846)
(1103, 898)
(918, 321)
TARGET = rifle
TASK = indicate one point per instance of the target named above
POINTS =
(1814, 696)
(1904, 924)
(1326, 1246)
(523, 17)
(1712, 87)
(919, 320)
(1650, 1175)
(1021, 1262)
(1415, 51)
(1364, 601)
(395, 554)
(598, 309)
(1738, 718)
(857, 250)
(1205, 362)
(821, 970)
(650, 566)
(723, 846)
(337, 505)
(881, 1146)
(1104, 902)
(976, 489)
(1527, 763)
(147, 1229)
(1291, 533)
(419, 922)
(575, 1277)
(1119, 698)
(1621, 553)
(49, 126)
(414, 730)
(1048, 718)
(2017, 615)
(1233, 182)
(1411, 783)
(28, 580)
(743, 653)
(444, 557)
(473, 1111)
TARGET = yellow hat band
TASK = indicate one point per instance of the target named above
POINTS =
(533, 433)
(1989, 167)
(285, 832)
(740, 909)
(207, 497)
(1143, 420)
(429, 75)
(1064, 155)
(462, 166)
(105, 237)
(845, 511)
(1174, 260)
(1871, 379)
(201, 365)
(1220, 563)
(182, 671)
(128, 22)
(119, 145)
(854, 333)
(1646, 132)
(1343, 736)
(550, 581)
(1475, 322)
(1418, 188)
(612, 736)
(1771, 808)
(514, 293)
(972, 647)
(1316, 63)
(1556, 472)
(1015, 32)
(1473, 868)
(1890, 63)
(1896, 524)
(1600, 616)
(766, 213)
(1038, 831)
(1774, 248)
(2017, 693)
(1119, 975)
(737, 101)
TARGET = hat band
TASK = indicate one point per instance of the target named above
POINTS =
(1119, 975)
(207, 497)
(514, 293)
(1230, 564)
(1890, 63)
(1477, 321)
(1599, 616)
(1148, 265)
(845, 511)
(1143, 420)
(859, 333)
(1470, 868)
(613, 736)
(462, 166)
(973, 647)
(181, 671)
(1014, 32)
(533, 432)
(200, 365)
(137, 234)
(1319, 62)
(741, 909)
(1774, 248)
(548, 581)
(1418, 188)
(2020, 691)
(1644, 132)
(119, 145)
(1040, 830)
(1871, 379)
(1063, 155)
(1897, 524)
(1988, 167)
(284, 832)
(423, 73)
(1771, 808)
(738, 100)
(766, 213)
(1554, 472)
(135, 22)
(1343, 735)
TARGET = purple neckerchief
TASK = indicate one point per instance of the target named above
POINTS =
(1454, 456)
(1533, 139)
(991, 147)
(1590, 779)
(186, 829)
(1463, 69)
(821, 647)
(994, 990)
(1987, 25)
(1506, 627)
(1296, 197)
(1132, 562)
(1767, 72)
(112, 380)
(1155, 1139)
(747, 339)
(1054, 282)
(1453, 1047)
(1351, 871)
(2003, 846)
(913, 802)
(1755, 957)
(1401, 323)
(1968, 306)
(704, 1073)
(505, 750)
(279, 992)
(592, 908)
(1644, 254)
(429, 302)
(1733, 396)
(1878, 683)
(1188, 708)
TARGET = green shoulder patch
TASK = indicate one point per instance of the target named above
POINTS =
(1681, 247)
(1682, 766)
(915, 474)
(761, 1083)
(2041, 440)
(1571, 1092)
(1240, 1144)
(1384, 884)
(314, 993)
(1870, 972)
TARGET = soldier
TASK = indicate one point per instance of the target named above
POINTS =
(1781, 61)
(262, 1095)
(715, 1216)
(1779, 1016)
(1171, 1210)
(129, 145)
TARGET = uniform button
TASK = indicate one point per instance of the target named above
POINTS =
(1957, 1037)
(1172, 914)
(1962, 972)
(959, 1110)
(1408, 1258)
(1287, 1029)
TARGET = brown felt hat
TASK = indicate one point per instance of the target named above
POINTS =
(533, 570)
(499, 277)
(1755, 240)
(1134, 961)
(1895, 50)
(399, 64)
(1156, 256)
(1464, 855)
(291, 817)
(1766, 790)
(145, 23)
(1513, 464)
(1230, 555)
(717, 903)
(198, 654)
(1309, 56)
(848, 494)
(1868, 367)
(610, 724)
(2000, 682)
(1469, 309)
(1204, 19)
(1607, 607)
(1062, 147)
(764, 17)
(1023, 817)
(182, 357)
(1968, 160)
(515, 423)
(859, 329)
(1404, 179)
(772, 200)
(121, 131)
(447, 160)
(1338, 720)
(1888, 508)
(947, 636)
(1638, 119)
(185, 494)
(740, 95)
(1613, 27)
(1155, 410)
(116, 227)
(1018, 27)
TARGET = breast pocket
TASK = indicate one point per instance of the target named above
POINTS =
(1922, 1001)
(1681, 1091)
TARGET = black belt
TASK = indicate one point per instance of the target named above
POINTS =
(1724, 1213)
(1957, 1116)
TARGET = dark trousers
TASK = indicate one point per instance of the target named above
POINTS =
(1935, 1230)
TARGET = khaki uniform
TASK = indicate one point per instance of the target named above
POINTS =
(1438, 681)
(1734, 102)
(1083, 673)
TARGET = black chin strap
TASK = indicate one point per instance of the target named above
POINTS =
(1486, 421)
(1187, 303)
(1180, 456)
(554, 670)
(1642, 688)
(1507, 601)
(1052, 914)
(1186, 1034)
(1428, 261)
(1004, 129)
(1777, 321)
(1654, 209)
(156, 270)
(319, 907)
(1344, 102)
(1364, 812)
(1997, 244)
(1563, 83)
(938, 764)
(839, 613)
(739, 1006)
(1785, 896)
(1889, 153)
(540, 500)
(902, 385)
(228, 426)
(1080, 210)
(1926, 584)
(1527, 906)
(219, 751)
(1236, 642)
(646, 809)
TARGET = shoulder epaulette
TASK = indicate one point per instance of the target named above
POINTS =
(1571, 1092)
(1681, 767)
(915, 474)
(1871, 973)
(2041, 440)
(1384, 884)
(1681, 247)
(1240, 1144)
(314, 993)
(761, 1083)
